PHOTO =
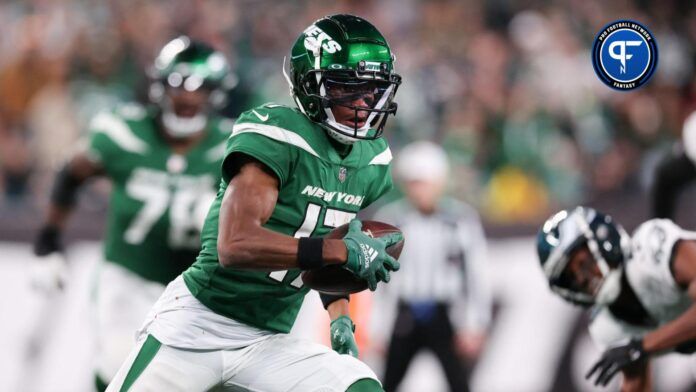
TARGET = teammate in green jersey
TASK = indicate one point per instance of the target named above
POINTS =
(289, 176)
(164, 164)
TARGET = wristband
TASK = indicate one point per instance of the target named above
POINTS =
(310, 253)
(328, 299)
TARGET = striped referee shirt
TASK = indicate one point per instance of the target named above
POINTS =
(443, 260)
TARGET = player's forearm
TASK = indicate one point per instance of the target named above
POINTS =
(63, 196)
(66, 186)
(637, 378)
(635, 385)
(57, 216)
(337, 308)
(263, 249)
(670, 335)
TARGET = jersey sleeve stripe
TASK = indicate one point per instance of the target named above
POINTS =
(275, 133)
(119, 132)
(383, 158)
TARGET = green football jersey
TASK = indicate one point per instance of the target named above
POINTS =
(159, 199)
(319, 190)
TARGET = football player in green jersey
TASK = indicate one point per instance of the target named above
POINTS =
(290, 175)
(163, 162)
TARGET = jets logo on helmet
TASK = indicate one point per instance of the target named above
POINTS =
(315, 37)
(342, 77)
(189, 66)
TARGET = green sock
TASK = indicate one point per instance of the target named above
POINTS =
(365, 385)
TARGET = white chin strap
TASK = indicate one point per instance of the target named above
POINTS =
(610, 288)
(339, 137)
(180, 127)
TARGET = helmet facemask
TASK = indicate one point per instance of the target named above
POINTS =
(190, 79)
(604, 287)
(363, 100)
(180, 119)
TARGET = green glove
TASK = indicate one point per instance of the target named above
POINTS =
(342, 339)
(367, 256)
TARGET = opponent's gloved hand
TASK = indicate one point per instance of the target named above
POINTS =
(342, 338)
(367, 256)
(48, 241)
(617, 358)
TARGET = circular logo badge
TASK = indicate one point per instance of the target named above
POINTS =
(624, 55)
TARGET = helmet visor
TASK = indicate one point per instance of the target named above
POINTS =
(356, 105)
(357, 93)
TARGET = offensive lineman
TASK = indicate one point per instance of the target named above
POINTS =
(642, 288)
(163, 162)
(289, 176)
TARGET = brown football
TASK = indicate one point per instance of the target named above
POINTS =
(334, 279)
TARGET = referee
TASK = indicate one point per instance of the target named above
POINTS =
(440, 296)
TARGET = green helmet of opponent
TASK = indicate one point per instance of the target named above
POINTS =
(340, 60)
(182, 67)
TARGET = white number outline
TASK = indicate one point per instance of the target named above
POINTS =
(187, 211)
(308, 226)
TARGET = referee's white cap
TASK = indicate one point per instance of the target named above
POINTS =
(422, 160)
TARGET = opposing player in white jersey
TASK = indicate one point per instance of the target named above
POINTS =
(642, 289)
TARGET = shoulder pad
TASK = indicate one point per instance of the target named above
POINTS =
(280, 123)
(656, 238)
(131, 111)
(273, 114)
(117, 129)
(225, 125)
(382, 154)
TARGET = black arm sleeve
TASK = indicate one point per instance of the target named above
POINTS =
(671, 176)
(64, 192)
(328, 299)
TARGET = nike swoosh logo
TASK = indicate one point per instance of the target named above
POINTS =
(262, 118)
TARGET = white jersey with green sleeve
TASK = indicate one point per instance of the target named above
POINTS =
(319, 190)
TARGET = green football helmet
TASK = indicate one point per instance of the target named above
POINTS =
(188, 65)
(338, 61)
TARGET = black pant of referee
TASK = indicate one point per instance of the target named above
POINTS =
(423, 326)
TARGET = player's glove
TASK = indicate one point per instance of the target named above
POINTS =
(615, 359)
(342, 338)
(367, 256)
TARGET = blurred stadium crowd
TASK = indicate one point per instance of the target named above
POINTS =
(507, 87)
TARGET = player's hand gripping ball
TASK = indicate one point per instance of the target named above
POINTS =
(367, 262)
